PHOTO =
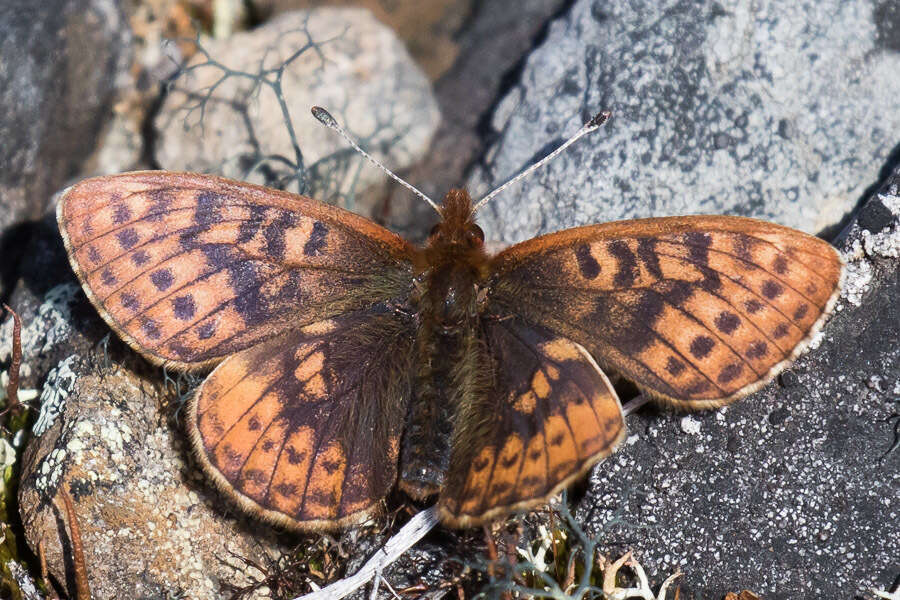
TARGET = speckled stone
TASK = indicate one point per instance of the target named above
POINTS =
(352, 65)
(779, 110)
(788, 492)
(150, 528)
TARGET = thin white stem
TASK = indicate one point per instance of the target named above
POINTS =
(593, 125)
(420, 524)
(329, 121)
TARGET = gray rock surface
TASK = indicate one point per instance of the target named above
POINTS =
(778, 110)
(347, 62)
(492, 44)
(60, 63)
(790, 492)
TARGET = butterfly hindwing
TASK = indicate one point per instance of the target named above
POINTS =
(304, 429)
(695, 310)
(545, 415)
(191, 268)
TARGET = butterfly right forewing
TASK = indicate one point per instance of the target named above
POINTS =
(695, 310)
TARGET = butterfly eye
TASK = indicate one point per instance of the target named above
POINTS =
(434, 229)
(476, 232)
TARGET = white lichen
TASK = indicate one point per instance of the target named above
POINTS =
(48, 327)
(59, 384)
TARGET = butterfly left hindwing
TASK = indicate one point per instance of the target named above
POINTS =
(304, 429)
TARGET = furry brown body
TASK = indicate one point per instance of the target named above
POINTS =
(450, 273)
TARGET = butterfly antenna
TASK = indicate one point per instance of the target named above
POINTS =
(591, 126)
(327, 120)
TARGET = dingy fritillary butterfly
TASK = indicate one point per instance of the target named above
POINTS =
(349, 361)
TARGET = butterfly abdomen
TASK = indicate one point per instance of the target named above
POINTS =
(452, 267)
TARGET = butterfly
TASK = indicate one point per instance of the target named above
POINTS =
(347, 360)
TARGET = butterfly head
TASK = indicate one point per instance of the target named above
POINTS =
(457, 227)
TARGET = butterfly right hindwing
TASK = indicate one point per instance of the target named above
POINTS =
(547, 414)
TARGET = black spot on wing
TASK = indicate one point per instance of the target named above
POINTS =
(162, 279)
(677, 291)
(646, 251)
(753, 306)
(140, 258)
(207, 211)
(701, 346)
(587, 264)
(757, 349)
(121, 214)
(772, 289)
(674, 366)
(274, 236)
(780, 265)
(129, 301)
(317, 239)
(626, 263)
(108, 277)
(249, 228)
(127, 238)
(727, 322)
(730, 373)
(698, 247)
(206, 330)
(184, 307)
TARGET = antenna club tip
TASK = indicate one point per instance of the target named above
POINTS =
(600, 118)
(323, 116)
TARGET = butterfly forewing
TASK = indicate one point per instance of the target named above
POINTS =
(192, 268)
(546, 415)
(304, 429)
(695, 310)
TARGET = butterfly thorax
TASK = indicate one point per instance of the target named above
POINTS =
(451, 272)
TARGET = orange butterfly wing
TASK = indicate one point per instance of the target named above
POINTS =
(191, 268)
(546, 413)
(304, 429)
(695, 310)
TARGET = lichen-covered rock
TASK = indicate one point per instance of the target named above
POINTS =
(782, 110)
(345, 61)
(792, 491)
(147, 524)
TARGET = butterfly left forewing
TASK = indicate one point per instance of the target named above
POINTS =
(544, 415)
(695, 310)
(304, 429)
(190, 268)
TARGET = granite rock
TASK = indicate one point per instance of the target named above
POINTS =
(491, 46)
(778, 110)
(60, 64)
(148, 527)
(346, 62)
